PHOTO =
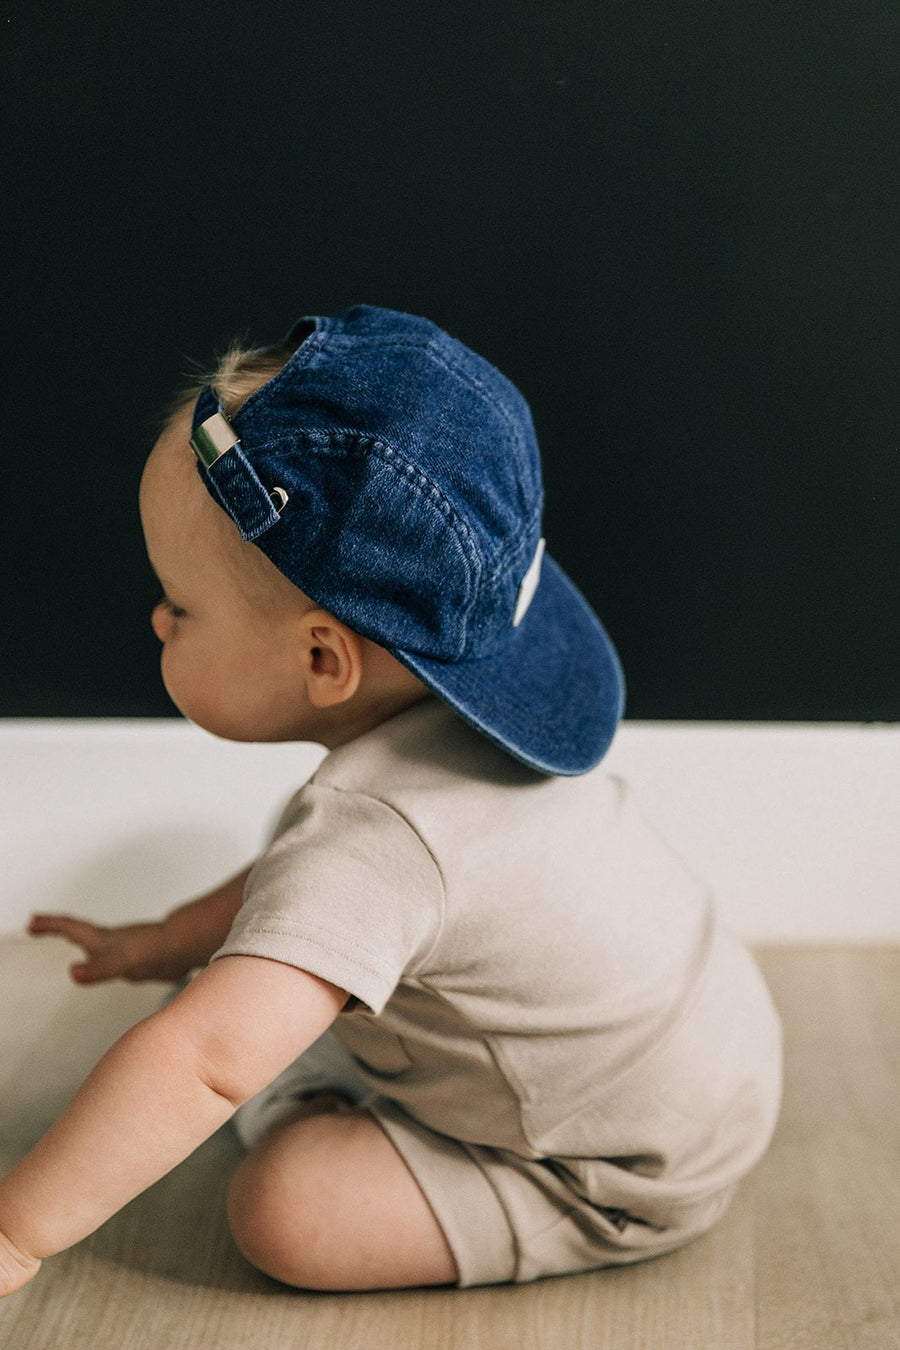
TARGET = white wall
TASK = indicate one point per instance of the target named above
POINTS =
(797, 827)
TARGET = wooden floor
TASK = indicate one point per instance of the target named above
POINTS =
(808, 1257)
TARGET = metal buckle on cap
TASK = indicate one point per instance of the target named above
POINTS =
(213, 439)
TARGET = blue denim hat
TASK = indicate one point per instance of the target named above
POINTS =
(394, 476)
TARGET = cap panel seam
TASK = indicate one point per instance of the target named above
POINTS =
(517, 543)
(461, 372)
(368, 442)
(454, 367)
(394, 459)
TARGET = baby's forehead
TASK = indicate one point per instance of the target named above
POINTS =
(172, 497)
(177, 508)
(171, 465)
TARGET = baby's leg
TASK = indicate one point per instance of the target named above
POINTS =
(325, 1201)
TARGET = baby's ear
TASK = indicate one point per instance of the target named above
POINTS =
(334, 659)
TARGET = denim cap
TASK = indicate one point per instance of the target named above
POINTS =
(394, 476)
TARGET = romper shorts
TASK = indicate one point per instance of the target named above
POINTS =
(508, 1219)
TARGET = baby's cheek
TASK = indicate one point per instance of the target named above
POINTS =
(172, 676)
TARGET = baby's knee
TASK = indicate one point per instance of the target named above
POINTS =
(253, 1220)
(280, 1245)
(325, 1201)
(278, 1205)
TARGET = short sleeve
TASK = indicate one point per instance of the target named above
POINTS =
(348, 891)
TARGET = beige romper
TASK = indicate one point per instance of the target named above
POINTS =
(575, 1060)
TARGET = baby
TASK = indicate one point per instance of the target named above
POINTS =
(478, 1022)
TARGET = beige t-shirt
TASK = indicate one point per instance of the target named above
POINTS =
(532, 968)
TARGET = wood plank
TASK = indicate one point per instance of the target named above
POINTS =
(827, 1249)
(807, 1258)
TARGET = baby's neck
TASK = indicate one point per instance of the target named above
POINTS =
(365, 713)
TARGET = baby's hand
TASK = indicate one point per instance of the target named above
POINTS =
(135, 951)
(16, 1268)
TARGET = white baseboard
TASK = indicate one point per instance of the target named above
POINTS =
(796, 826)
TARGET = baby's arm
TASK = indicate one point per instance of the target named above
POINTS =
(166, 950)
(162, 1089)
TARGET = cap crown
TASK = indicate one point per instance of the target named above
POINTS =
(413, 480)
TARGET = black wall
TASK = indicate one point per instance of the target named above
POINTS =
(674, 225)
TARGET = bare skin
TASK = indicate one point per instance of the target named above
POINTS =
(166, 950)
(324, 1201)
(248, 657)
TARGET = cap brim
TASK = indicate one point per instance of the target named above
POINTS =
(553, 695)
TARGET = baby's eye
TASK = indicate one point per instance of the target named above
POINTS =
(175, 611)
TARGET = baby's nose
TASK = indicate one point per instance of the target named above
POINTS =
(160, 621)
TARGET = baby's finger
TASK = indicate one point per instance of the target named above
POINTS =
(42, 923)
(79, 931)
(90, 972)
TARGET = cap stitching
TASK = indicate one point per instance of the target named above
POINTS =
(310, 346)
(448, 361)
(396, 461)
(431, 344)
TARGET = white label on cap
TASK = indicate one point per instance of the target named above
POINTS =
(529, 585)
